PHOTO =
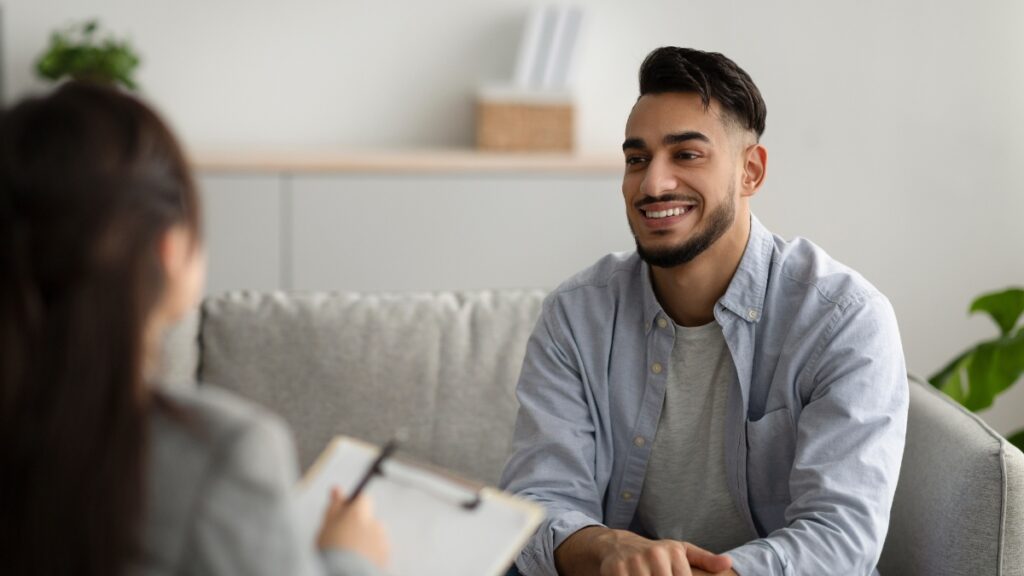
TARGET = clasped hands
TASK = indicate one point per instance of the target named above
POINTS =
(609, 552)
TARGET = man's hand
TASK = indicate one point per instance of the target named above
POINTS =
(608, 552)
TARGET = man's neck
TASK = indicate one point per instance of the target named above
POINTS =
(689, 292)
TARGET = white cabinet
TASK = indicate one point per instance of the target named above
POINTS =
(410, 231)
(242, 218)
(436, 232)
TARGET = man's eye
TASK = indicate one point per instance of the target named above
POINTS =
(687, 155)
(634, 160)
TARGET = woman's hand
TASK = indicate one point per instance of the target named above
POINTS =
(352, 526)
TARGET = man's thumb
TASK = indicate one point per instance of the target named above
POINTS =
(707, 561)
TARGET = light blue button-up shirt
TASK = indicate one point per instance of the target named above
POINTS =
(814, 428)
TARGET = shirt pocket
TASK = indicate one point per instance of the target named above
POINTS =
(771, 446)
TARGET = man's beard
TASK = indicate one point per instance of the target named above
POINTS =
(718, 223)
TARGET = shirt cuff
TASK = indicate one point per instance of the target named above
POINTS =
(347, 563)
(537, 559)
(758, 558)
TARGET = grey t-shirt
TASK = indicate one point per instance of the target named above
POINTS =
(684, 495)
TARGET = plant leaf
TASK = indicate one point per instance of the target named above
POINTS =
(942, 375)
(994, 366)
(1017, 439)
(1004, 307)
(950, 380)
(80, 53)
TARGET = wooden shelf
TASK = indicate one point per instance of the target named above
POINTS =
(402, 161)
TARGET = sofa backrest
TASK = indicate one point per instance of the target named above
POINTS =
(440, 366)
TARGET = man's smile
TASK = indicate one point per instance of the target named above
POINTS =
(665, 214)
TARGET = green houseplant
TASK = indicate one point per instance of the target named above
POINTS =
(978, 375)
(78, 52)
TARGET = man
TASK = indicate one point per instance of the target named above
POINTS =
(721, 400)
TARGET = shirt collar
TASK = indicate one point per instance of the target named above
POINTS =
(745, 294)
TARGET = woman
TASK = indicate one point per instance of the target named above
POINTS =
(100, 472)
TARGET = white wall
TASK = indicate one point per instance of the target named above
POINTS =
(893, 127)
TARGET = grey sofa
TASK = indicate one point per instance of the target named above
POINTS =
(443, 368)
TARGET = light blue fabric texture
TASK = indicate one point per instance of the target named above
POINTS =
(815, 426)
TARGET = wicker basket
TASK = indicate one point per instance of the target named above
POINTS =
(514, 126)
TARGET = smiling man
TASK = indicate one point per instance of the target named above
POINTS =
(720, 400)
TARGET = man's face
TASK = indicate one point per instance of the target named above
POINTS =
(682, 166)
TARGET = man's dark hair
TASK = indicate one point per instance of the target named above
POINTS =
(709, 75)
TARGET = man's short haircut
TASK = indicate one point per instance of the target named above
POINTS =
(709, 75)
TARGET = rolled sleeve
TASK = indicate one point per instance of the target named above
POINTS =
(756, 558)
(554, 451)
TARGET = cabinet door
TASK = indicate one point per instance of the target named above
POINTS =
(242, 215)
(443, 232)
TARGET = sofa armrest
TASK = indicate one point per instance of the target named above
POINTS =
(958, 506)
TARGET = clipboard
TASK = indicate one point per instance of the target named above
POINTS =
(437, 523)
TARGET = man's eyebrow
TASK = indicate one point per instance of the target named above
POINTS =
(684, 137)
(668, 140)
(634, 144)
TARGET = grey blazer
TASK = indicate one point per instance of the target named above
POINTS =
(219, 495)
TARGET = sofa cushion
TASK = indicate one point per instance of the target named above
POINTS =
(441, 366)
(958, 506)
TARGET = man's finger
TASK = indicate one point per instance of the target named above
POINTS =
(705, 560)
(661, 559)
(637, 566)
(677, 557)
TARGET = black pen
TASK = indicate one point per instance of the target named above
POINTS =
(374, 469)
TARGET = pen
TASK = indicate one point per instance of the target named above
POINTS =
(374, 469)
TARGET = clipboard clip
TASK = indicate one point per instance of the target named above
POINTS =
(469, 504)
(377, 469)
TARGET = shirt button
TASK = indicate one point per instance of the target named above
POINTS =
(752, 314)
(656, 368)
(627, 495)
(639, 441)
(662, 323)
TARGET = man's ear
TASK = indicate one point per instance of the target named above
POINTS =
(755, 167)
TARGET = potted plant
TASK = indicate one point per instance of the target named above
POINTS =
(977, 376)
(78, 52)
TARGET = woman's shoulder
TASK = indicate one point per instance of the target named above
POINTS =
(215, 408)
(222, 430)
(210, 449)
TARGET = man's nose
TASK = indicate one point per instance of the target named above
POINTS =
(658, 179)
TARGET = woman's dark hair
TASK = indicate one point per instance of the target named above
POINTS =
(90, 180)
(710, 75)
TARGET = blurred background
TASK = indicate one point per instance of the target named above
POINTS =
(336, 139)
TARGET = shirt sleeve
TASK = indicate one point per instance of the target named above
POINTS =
(849, 447)
(246, 523)
(553, 460)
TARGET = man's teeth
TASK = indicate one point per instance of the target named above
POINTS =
(666, 213)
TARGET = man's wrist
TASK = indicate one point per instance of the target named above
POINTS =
(580, 553)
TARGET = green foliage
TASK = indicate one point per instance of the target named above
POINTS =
(78, 53)
(978, 375)
(1017, 439)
